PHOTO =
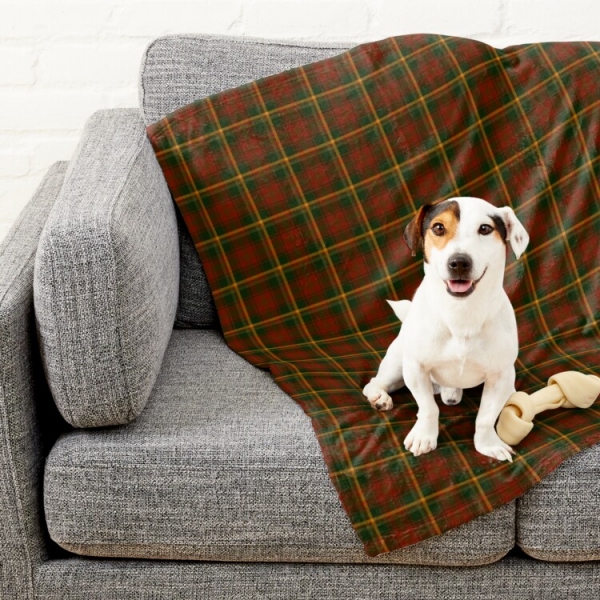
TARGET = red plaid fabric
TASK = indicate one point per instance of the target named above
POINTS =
(296, 190)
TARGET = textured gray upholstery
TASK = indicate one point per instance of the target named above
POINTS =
(196, 308)
(107, 275)
(24, 400)
(221, 465)
(180, 69)
(509, 579)
(559, 518)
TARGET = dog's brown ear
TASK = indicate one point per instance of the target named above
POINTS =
(413, 234)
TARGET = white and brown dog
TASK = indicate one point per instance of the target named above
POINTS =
(459, 330)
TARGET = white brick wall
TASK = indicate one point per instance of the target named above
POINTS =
(60, 60)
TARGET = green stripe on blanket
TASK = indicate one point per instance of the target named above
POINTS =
(296, 190)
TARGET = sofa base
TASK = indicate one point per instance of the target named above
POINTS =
(512, 578)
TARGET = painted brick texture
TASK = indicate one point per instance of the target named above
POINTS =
(60, 60)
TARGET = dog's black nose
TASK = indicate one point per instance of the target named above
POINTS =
(459, 265)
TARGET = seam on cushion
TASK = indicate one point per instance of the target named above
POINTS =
(61, 378)
(51, 250)
(118, 310)
(141, 88)
(68, 410)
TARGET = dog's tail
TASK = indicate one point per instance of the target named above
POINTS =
(400, 307)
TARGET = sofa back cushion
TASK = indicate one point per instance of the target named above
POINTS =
(107, 274)
(177, 70)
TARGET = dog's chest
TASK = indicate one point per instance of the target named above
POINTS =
(459, 362)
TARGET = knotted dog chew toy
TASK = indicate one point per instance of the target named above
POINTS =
(568, 390)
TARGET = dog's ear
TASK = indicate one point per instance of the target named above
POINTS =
(413, 234)
(516, 235)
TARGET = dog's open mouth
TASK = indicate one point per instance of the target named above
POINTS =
(460, 288)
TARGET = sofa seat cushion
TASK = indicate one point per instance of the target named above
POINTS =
(222, 465)
(559, 518)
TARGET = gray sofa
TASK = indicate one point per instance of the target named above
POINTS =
(141, 458)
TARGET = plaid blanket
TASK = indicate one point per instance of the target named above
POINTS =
(296, 190)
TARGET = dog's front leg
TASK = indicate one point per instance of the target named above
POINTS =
(387, 380)
(422, 438)
(496, 391)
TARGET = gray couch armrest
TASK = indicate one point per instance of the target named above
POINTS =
(106, 280)
(23, 418)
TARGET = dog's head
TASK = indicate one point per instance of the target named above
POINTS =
(465, 239)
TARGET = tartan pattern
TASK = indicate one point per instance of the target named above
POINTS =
(296, 190)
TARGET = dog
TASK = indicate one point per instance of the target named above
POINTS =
(460, 329)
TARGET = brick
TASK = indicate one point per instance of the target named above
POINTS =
(109, 63)
(17, 65)
(126, 96)
(14, 163)
(48, 150)
(339, 20)
(49, 110)
(467, 18)
(151, 19)
(540, 20)
(15, 194)
(46, 18)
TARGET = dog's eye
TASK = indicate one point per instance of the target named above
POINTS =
(438, 229)
(485, 229)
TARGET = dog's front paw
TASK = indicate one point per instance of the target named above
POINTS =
(422, 438)
(377, 397)
(489, 444)
(381, 400)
